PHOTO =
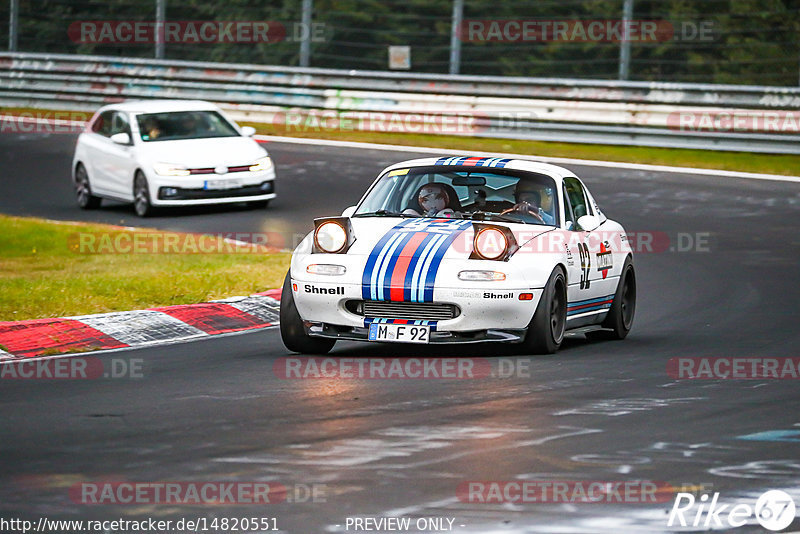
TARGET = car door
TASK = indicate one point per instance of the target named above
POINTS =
(595, 289)
(94, 153)
(584, 298)
(120, 159)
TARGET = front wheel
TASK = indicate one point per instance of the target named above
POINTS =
(293, 333)
(141, 196)
(546, 329)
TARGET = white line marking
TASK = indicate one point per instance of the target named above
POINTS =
(546, 159)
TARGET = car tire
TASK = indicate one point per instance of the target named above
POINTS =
(293, 333)
(547, 327)
(141, 196)
(619, 320)
(83, 190)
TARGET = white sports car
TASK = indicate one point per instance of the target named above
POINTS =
(169, 153)
(462, 250)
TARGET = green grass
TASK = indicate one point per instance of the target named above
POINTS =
(44, 272)
(784, 164)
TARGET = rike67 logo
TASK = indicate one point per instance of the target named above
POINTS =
(774, 510)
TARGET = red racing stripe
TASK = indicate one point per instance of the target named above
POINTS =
(571, 308)
(399, 273)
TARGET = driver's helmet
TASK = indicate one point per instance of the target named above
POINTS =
(433, 198)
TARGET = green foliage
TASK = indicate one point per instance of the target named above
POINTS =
(748, 41)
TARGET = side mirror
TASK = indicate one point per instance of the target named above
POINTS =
(121, 138)
(248, 131)
(349, 211)
(587, 223)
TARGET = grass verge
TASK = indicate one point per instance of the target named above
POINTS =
(783, 164)
(47, 271)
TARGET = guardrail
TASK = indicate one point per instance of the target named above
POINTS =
(719, 117)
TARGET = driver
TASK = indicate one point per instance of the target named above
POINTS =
(433, 199)
(531, 204)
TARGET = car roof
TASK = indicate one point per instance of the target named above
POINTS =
(161, 106)
(486, 163)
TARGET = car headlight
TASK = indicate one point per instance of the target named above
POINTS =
(170, 169)
(330, 237)
(262, 164)
(490, 243)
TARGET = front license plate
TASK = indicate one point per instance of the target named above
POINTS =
(406, 333)
(222, 184)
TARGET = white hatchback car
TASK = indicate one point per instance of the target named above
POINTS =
(169, 153)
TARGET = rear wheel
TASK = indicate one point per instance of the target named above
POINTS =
(620, 317)
(293, 333)
(546, 329)
(141, 196)
(83, 191)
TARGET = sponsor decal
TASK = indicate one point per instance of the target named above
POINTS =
(605, 259)
(490, 295)
(338, 290)
(467, 294)
(403, 264)
(473, 161)
(570, 258)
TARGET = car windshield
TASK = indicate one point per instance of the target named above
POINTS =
(175, 125)
(439, 191)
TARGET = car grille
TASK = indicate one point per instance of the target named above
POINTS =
(429, 311)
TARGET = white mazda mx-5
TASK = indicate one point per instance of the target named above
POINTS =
(462, 250)
(169, 153)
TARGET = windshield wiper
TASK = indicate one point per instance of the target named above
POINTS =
(383, 213)
(486, 216)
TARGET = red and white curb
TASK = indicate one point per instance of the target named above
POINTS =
(155, 326)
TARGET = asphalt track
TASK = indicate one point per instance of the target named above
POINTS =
(608, 411)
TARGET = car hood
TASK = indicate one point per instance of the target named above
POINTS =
(200, 153)
(396, 237)
(411, 236)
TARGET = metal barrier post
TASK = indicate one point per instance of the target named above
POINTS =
(305, 42)
(13, 25)
(625, 45)
(455, 42)
(161, 12)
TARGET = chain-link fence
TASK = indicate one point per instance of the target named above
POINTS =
(713, 41)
